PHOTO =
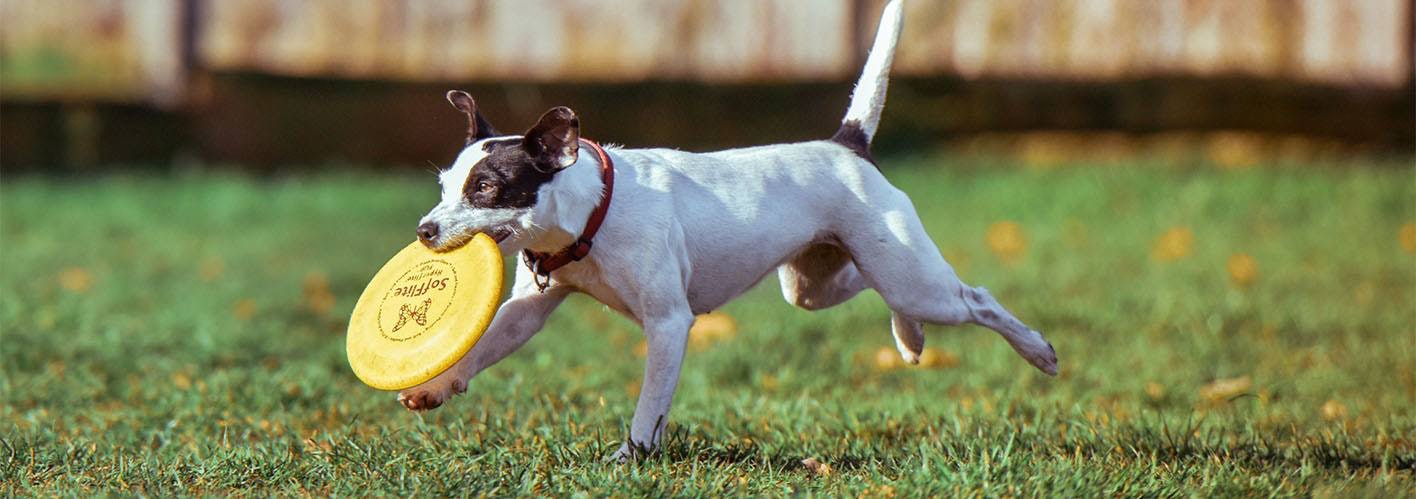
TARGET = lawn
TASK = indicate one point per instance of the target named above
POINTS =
(1221, 332)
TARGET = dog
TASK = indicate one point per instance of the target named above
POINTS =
(680, 234)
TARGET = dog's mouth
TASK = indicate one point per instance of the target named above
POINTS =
(498, 234)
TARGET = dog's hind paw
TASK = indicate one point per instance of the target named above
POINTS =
(1044, 360)
(432, 394)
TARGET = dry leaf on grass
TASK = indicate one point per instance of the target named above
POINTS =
(181, 381)
(1242, 270)
(1173, 245)
(1224, 389)
(815, 467)
(887, 358)
(711, 328)
(1333, 410)
(1407, 236)
(244, 309)
(1155, 391)
(1006, 240)
(76, 280)
(935, 358)
(318, 298)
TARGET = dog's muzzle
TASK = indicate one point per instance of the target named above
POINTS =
(428, 233)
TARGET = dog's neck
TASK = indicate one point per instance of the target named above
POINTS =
(564, 204)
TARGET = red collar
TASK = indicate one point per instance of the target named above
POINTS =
(542, 264)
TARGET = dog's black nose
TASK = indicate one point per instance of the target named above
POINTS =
(428, 232)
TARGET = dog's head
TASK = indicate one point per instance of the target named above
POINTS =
(499, 184)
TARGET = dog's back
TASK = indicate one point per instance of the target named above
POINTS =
(743, 212)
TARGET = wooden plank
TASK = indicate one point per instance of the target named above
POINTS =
(1327, 41)
(540, 40)
(133, 49)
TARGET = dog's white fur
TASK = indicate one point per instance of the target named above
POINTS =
(687, 232)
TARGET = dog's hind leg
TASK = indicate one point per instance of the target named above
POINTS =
(896, 257)
(822, 276)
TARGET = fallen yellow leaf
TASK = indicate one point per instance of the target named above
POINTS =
(935, 358)
(318, 298)
(1173, 245)
(1242, 270)
(1407, 236)
(769, 382)
(1224, 389)
(887, 358)
(182, 381)
(76, 280)
(1154, 390)
(711, 328)
(881, 491)
(1006, 241)
(244, 309)
(1333, 410)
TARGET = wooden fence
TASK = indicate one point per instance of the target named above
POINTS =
(145, 50)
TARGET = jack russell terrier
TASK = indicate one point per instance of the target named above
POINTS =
(676, 234)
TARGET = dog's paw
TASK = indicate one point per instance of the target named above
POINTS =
(1045, 360)
(432, 394)
(629, 452)
(623, 455)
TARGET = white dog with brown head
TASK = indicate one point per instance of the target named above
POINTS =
(677, 234)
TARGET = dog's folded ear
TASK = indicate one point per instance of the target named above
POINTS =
(554, 143)
(477, 126)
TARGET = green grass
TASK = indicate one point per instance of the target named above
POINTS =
(158, 338)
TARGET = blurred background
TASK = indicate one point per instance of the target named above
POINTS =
(286, 83)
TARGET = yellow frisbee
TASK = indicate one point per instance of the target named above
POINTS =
(422, 312)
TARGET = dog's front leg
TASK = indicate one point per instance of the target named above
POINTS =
(517, 320)
(667, 336)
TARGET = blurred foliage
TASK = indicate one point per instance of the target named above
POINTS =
(185, 334)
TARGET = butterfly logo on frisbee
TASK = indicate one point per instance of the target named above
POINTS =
(418, 314)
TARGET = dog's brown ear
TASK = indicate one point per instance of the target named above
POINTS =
(554, 143)
(477, 126)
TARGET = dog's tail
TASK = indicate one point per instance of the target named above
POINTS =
(868, 99)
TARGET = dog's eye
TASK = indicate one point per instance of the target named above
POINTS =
(485, 187)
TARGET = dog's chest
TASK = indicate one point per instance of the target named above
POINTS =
(586, 278)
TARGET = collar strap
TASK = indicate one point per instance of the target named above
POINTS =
(542, 264)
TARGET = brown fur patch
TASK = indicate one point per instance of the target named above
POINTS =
(852, 137)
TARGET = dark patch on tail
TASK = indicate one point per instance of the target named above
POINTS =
(852, 137)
